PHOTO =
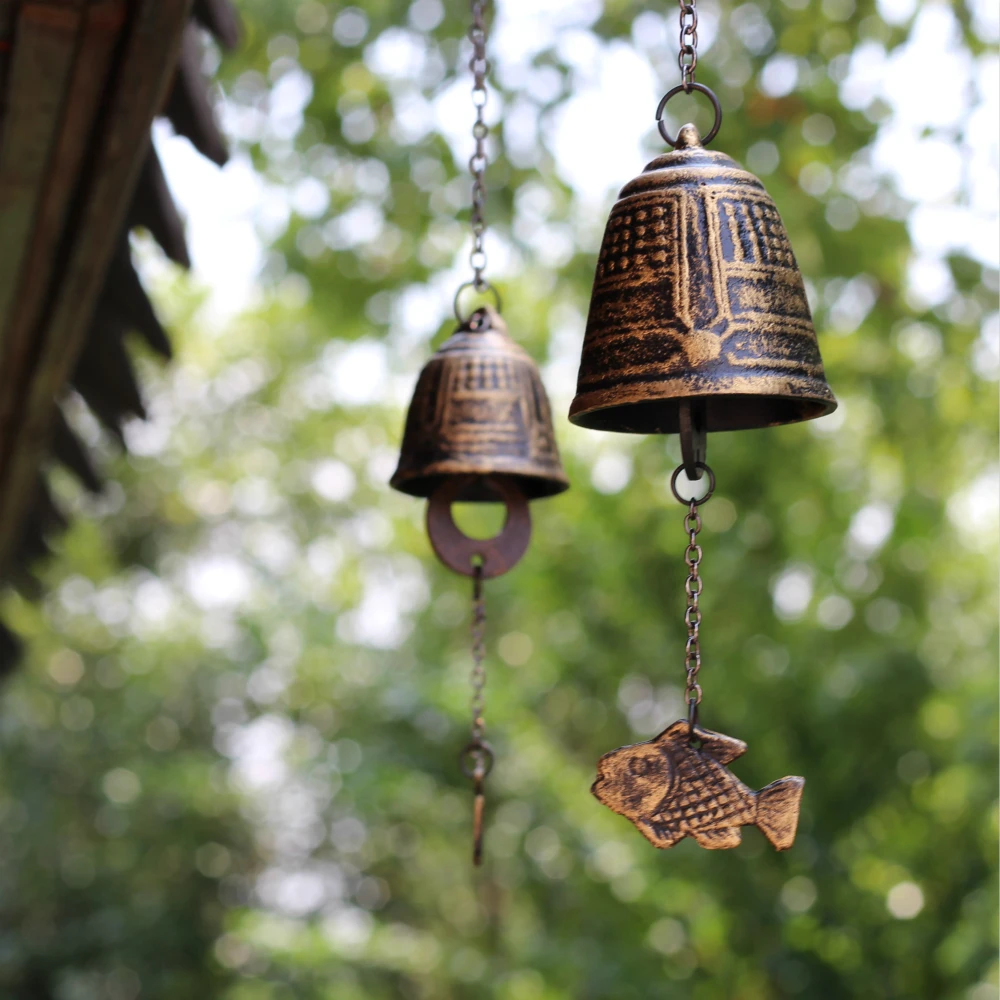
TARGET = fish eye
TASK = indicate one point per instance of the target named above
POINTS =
(638, 767)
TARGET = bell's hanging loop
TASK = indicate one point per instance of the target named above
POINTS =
(481, 287)
(685, 136)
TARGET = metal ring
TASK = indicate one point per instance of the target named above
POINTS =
(690, 500)
(457, 551)
(682, 88)
(472, 752)
(484, 287)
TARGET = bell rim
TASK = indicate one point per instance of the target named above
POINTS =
(815, 401)
(423, 482)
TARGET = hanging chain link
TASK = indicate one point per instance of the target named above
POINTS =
(693, 589)
(687, 57)
(692, 615)
(480, 67)
(478, 657)
(687, 61)
(477, 757)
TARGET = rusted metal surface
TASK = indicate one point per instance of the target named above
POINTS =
(480, 409)
(697, 295)
(679, 785)
(494, 556)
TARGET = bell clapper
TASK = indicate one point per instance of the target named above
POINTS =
(693, 435)
(482, 558)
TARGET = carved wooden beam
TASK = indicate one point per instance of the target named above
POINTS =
(39, 353)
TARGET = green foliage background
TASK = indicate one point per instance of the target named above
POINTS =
(229, 762)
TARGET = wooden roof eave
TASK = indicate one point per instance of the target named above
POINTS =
(80, 83)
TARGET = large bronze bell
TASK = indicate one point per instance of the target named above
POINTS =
(479, 429)
(698, 306)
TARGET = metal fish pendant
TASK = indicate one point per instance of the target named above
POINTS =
(670, 790)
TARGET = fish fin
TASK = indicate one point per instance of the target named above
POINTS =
(778, 811)
(724, 749)
(657, 834)
(718, 840)
(675, 732)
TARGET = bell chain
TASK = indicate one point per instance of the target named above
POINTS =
(687, 57)
(480, 67)
(692, 614)
(478, 756)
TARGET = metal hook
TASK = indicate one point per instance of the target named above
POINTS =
(694, 436)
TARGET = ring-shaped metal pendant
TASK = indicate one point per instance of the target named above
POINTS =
(689, 500)
(484, 287)
(686, 89)
(476, 759)
(457, 551)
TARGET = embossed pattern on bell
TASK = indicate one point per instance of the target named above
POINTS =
(697, 293)
(480, 409)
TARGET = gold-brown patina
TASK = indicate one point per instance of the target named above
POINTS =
(679, 785)
(480, 410)
(698, 296)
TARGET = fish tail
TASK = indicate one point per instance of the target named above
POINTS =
(778, 811)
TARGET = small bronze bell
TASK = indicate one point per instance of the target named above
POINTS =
(480, 409)
(697, 302)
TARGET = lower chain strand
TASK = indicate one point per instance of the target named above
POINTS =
(693, 590)
(478, 753)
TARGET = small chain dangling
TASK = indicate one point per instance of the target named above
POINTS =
(692, 588)
(692, 614)
(479, 66)
(687, 57)
(687, 63)
(477, 757)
